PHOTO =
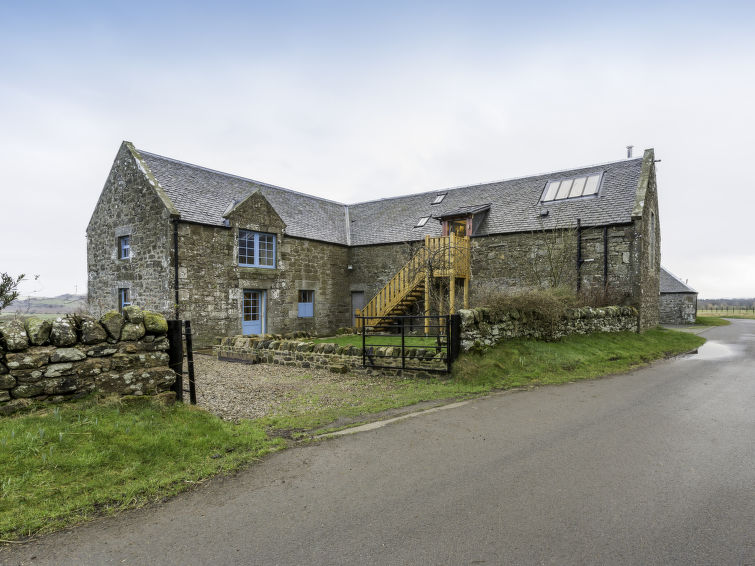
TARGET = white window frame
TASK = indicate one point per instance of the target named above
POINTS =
(256, 237)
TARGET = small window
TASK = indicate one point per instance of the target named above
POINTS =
(306, 304)
(572, 188)
(124, 247)
(439, 198)
(124, 298)
(256, 249)
(422, 221)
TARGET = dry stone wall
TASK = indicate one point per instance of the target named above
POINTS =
(339, 359)
(480, 328)
(76, 355)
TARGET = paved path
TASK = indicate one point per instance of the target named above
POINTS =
(652, 467)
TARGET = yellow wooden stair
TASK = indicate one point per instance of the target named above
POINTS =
(445, 256)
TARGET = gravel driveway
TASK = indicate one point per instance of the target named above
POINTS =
(236, 391)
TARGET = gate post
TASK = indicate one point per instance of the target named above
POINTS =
(176, 356)
(454, 338)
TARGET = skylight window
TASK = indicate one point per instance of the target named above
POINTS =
(439, 198)
(572, 188)
(422, 221)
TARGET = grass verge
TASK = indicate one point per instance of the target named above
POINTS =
(737, 313)
(518, 363)
(61, 465)
(711, 321)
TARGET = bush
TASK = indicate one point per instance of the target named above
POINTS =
(547, 305)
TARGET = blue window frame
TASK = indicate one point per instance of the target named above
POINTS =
(306, 304)
(124, 247)
(124, 298)
(256, 249)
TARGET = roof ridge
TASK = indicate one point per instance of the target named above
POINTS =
(520, 178)
(263, 183)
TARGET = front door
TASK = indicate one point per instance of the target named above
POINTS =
(357, 302)
(253, 312)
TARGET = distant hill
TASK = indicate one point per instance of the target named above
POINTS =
(47, 305)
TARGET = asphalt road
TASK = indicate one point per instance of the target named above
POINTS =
(652, 467)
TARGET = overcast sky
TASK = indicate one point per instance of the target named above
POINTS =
(354, 101)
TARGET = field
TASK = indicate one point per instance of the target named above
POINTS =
(728, 312)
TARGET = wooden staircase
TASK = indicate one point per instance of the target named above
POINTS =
(445, 256)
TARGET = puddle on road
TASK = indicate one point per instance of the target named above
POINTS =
(713, 350)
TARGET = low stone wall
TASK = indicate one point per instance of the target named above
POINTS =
(75, 355)
(481, 328)
(340, 359)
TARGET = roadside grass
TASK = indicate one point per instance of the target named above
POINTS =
(711, 321)
(510, 364)
(356, 340)
(62, 465)
(519, 363)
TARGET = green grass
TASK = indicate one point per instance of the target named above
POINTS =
(711, 321)
(356, 340)
(61, 465)
(519, 363)
(64, 464)
(515, 363)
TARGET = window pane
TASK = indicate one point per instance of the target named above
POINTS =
(577, 187)
(267, 250)
(591, 187)
(550, 192)
(563, 190)
(246, 247)
(422, 221)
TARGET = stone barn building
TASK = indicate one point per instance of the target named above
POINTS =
(678, 303)
(235, 255)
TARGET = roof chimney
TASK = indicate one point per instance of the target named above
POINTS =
(629, 151)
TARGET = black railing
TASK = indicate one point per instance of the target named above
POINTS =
(429, 343)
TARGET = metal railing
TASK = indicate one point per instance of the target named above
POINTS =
(428, 343)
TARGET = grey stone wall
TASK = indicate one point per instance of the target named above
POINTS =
(339, 359)
(481, 329)
(649, 279)
(678, 308)
(129, 205)
(73, 356)
(211, 283)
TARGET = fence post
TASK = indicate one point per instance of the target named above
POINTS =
(190, 364)
(454, 339)
(403, 356)
(176, 356)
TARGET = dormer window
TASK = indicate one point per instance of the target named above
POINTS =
(439, 198)
(422, 221)
(562, 189)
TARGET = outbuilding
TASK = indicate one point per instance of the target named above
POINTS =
(678, 303)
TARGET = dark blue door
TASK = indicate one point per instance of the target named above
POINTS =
(253, 312)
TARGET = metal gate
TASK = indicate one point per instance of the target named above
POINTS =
(427, 343)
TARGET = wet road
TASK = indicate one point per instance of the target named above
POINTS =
(652, 467)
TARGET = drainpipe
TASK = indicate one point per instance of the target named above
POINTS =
(175, 262)
(580, 261)
(605, 257)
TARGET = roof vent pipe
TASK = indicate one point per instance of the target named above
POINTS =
(629, 151)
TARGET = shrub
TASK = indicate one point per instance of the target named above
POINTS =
(547, 305)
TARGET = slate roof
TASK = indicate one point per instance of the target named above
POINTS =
(202, 195)
(670, 283)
